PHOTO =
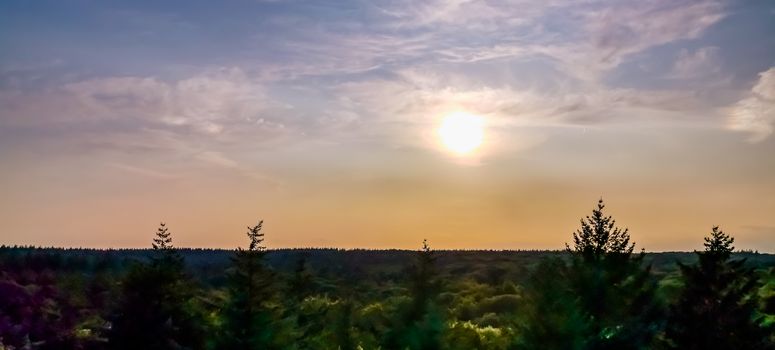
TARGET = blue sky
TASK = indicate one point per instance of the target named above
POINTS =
(108, 105)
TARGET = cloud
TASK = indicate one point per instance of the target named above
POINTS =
(627, 28)
(410, 104)
(209, 117)
(755, 113)
(472, 15)
(394, 63)
(135, 170)
(204, 103)
(216, 158)
(699, 63)
(602, 36)
(217, 105)
(583, 38)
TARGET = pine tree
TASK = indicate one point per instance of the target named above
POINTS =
(166, 254)
(599, 239)
(419, 324)
(717, 306)
(301, 284)
(163, 240)
(614, 291)
(157, 309)
(343, 326)
(248, 315)
(552, 318)
(305, 325)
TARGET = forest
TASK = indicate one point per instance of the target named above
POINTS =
(601, 292)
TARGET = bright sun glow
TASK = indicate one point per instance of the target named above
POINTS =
(462, 133)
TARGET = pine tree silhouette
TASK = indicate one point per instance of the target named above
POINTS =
(157, 309)
(163, 239)
(344, 338)
(614, 291)
(301, 284)
(248, 315)
(166, 257)
(552, 316)
(419, 325)
(599, 238)
(305, 325)
(717, 306)
(425, 285)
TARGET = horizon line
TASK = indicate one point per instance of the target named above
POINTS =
(17, 246)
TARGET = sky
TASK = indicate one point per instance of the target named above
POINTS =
(323, 118)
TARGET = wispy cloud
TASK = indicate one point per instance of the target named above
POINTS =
(402, 62)
(626, 28)
(419, 96)
(702, 62)
(135, 170)
(203, 103)
(756, 112)
(584, 38)
(217, 158)
(217, 106)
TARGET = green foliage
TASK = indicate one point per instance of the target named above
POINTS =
(500, 304)
(615, 293)
(419, 324)
(597, 294)
(717, 308)
(468, 335)
(552, 316)
(603, 299)
(302, 283)
(344, 337)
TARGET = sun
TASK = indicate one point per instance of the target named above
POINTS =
(461, 133)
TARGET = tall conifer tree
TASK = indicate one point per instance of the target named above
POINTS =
(419, 324)
(248, 316)
(157, 309)
(614, 291)
(551, 317)
(717, 306)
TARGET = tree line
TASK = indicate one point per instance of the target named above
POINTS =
(598, 295)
